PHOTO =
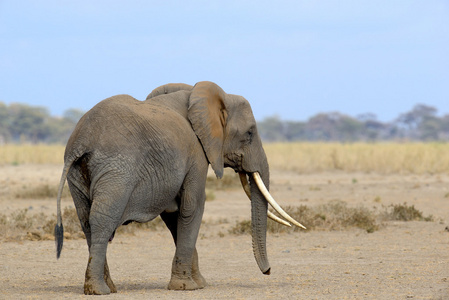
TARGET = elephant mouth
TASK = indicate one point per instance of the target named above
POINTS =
(263, 189)
(234, 161)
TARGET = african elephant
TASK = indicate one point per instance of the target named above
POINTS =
(130, 160)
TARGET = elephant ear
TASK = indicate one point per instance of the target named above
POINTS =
(208, 115)
(169, 88)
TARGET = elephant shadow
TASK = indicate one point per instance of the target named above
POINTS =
(76, 289)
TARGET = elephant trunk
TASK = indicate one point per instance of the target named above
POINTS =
(259, 207)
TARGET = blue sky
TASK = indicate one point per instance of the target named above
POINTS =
(293, 59)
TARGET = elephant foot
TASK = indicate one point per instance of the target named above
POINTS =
(200, 281)
(181, 284)
(100, 288)
(108, 280)
(110, 284)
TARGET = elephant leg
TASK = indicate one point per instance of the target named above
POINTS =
(196, 275)
(83, 206)
(104, 219)
(171, 220)
(95, 283)
(107, 278)
(188, 225)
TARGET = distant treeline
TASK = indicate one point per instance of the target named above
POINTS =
(21, 123)
(419, 124)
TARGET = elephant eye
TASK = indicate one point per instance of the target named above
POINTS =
(249, 134)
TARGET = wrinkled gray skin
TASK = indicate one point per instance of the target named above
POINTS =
(130, 160)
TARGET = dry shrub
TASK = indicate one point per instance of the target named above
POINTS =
(337, 215)
(242, 227)
(210, 195)
(132, 227)
(230, 180)
(21, 225)
(41, 192)
(403, 212)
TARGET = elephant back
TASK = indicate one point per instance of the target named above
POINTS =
(169, 88)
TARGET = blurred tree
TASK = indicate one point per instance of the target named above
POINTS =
(73, 115)
(444, 127)
(429, 128)
(28, 123)
(295, 131)
(4, 121)
(23, 123)
(409, 122)
(272, 129)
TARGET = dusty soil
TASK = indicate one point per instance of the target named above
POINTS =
(402, 260)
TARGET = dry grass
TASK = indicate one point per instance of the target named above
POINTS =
(386, 158)
(31, 154)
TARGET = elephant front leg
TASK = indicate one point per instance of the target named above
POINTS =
(186, 276)
(196, 275)
(181, 277)
(171, 220)
(185, 273)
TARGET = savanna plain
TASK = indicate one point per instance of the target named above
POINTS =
(377, 216)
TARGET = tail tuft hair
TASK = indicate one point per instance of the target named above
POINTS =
(59, 239)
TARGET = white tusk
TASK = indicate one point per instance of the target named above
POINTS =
(272, 202)
(246, 188)
(277, 219)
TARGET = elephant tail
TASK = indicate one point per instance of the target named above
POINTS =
(59, 228)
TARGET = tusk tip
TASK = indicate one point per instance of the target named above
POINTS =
(302, 226)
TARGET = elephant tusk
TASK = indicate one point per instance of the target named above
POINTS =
(272, 202)
(246, 188)
(245, 184)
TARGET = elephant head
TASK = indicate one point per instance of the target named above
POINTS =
(227, 130)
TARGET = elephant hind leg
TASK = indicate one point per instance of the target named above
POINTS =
(94, 284)
(104, 219)
(83, 208)
(107, 278)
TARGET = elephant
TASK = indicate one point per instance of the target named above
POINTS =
(131, 161)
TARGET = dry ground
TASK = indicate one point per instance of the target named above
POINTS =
(402, 260)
